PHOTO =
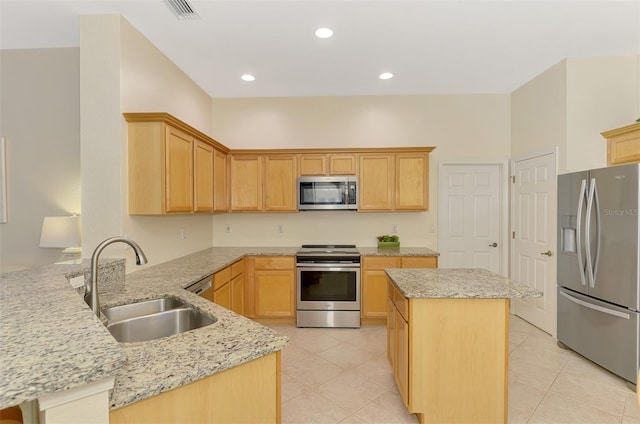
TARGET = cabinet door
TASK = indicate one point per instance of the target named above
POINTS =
(342, 164)
(376, 182)
(179, 171)
(312, 164)
(411, 182)
(274, 292)
(401, 369)
(222, 296)
(246, 183)
(374, 294)
(391, 333)
(280, 183)
(202, 177)
(207, 294)
(237, 294)
(219, 181)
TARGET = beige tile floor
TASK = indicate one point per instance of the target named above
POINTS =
(342, 376)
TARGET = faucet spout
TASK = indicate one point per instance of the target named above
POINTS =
(91, 288)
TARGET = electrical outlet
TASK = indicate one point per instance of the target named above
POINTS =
(227, 228)
(280, 229)
(183, 234)
(77, 281)
(394, 228)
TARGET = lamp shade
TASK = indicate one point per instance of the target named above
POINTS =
(60, 231)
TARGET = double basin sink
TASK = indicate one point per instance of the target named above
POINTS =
(153, 319)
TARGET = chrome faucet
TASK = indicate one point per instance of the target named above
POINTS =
(91, 288)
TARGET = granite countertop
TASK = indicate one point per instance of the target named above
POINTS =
(457, 283)
(50, 341)
(401, 251)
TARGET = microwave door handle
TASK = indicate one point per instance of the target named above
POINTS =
(581, 197)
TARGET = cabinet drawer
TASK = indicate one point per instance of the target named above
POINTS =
(380, 262)
(274, 262)
(419, 262)
(221, 278)
(237, 268)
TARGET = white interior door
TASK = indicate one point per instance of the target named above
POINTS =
(534, 206)
(471, 216)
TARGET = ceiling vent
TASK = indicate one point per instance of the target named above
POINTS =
(182, 9)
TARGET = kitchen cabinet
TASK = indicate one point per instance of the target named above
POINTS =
(263, 183)
(623, 145)
(447, 352)
(374, 282)
(328, 164)
(274, 286)
(280, 183)
(245, 174)
(228, 287)
(219, 398)
(394, 181)
(220, 201)
(170, 166)
(203, 158)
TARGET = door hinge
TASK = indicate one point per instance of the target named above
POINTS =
(513, 235)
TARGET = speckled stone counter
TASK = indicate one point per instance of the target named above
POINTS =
(50, 340)
(401, 251)
(457, 283)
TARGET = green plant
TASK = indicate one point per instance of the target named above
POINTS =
(388, 238)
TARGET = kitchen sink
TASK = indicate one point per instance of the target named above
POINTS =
(157, 325)
(153, 319)
(145, 307)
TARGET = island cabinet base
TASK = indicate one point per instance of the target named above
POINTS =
(450, 357)
(248, 393)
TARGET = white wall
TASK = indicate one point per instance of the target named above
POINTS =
(40, 119)
(124, 72)
(461, 127)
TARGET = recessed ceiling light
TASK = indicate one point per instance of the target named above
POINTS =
(385, 75)
(248, 77)
(324, 33)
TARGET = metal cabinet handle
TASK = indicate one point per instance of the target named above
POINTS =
(549, 253)
(494, 244)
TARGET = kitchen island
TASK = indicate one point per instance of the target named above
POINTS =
(447, 342)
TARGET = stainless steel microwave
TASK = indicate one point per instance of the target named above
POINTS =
(327, 193)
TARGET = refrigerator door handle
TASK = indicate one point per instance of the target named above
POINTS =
(581, 197)
(598, 234)
(595, 307)
(587, 231)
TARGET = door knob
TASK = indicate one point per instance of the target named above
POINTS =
(549, 253)
(494, 244)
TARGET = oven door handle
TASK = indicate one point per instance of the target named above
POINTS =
(315, 267)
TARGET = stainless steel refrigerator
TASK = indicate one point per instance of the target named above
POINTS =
(598, 295)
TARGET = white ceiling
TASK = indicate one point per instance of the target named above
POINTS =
(432, 47)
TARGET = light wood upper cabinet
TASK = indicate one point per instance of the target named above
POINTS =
(328, 164)
(376, 182)
(623, 145)
(394, 182)
(280, 183)
(203, 177)
(220, 202)
(263, 182)
(246, 182)
(170, 166)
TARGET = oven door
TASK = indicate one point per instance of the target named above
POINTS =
(328, 288)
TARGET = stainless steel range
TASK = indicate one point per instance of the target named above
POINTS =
(328, 292)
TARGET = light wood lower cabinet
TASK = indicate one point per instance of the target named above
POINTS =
(449, 357)
(228, 287)
(270, 287)
(374, 282)
(248, 393)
